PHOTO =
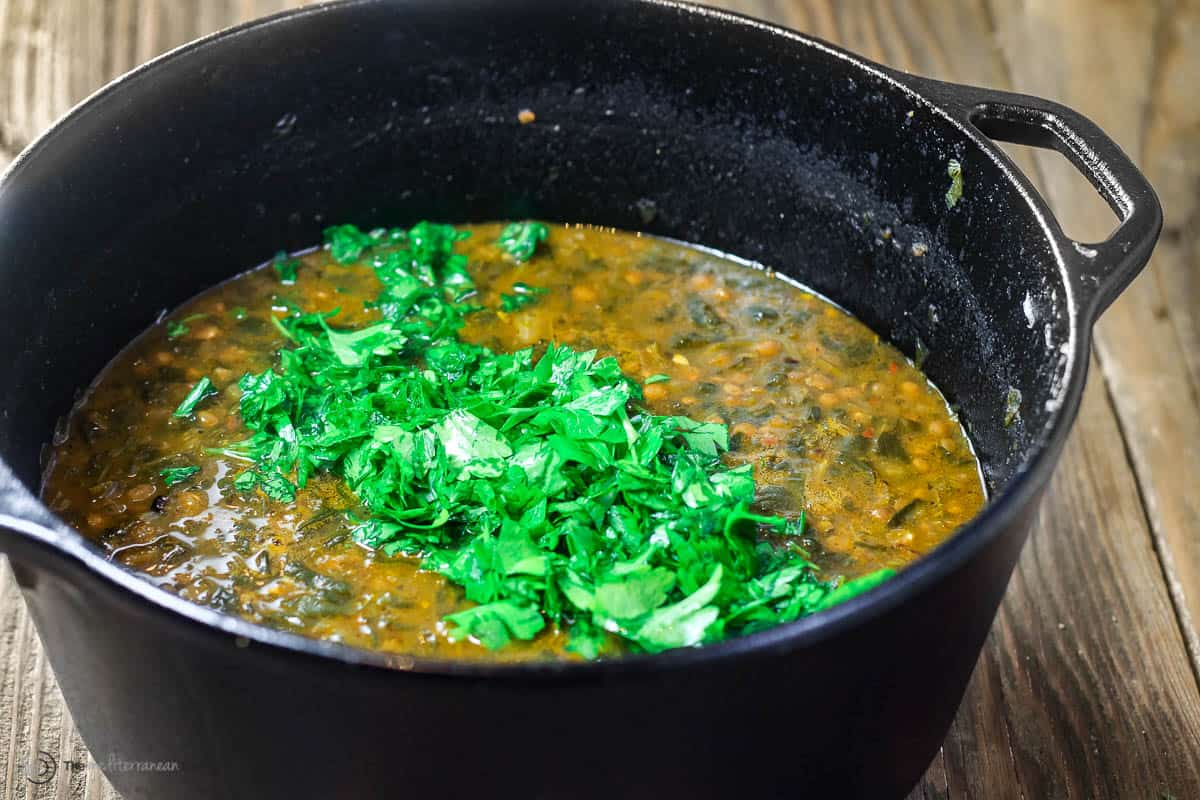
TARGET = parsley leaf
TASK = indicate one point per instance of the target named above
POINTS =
(684, 623)
(955, 192)
(854, 588)
(635, 595)
(496, 624)
(203, 388)
(352, 347)
(285, 268)
(177, 328)
(174, 475)
(272, 483)
(520, 239)
(471, 446)
(347, 243)
(524, 295)
(709, 438)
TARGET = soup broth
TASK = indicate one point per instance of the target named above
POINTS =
(837, 424)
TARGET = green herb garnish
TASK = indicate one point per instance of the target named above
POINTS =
(178, 328)
(1012, 406)
(347, 243)
(853, 588)
(203, 388)
(520, 239)
(523, 295)
(273, 483)
(174, 475)
(496, 624)
(238, 312)
(535, 481)
(659, 378)
(955, 192)
(285, 268)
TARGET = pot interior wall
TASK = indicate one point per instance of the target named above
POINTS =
(649, 117)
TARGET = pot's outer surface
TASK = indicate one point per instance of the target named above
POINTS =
(674, 120)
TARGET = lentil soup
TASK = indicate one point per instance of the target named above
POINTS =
(836, 424)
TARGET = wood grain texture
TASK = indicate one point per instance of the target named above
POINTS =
(1084, 689)
(1148, 342)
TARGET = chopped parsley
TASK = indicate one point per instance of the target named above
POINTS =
(955, 192)
(174, 475)
(347, 243)
(203, 388)
(285, 268)
(534, 480)
(520, 239)
(523, 295)
(177, 328)
(273, 483)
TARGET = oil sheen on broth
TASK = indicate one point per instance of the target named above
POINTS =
(835, 421)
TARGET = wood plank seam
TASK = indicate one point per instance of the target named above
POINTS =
(1040, 179)
(1162, 44)
(1183, 617)
(1186, 624)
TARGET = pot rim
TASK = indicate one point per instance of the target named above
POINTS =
(57, 539)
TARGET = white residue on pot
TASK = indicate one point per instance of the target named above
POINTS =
(1030, 311)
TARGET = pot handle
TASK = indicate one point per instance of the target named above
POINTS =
(1101, 270)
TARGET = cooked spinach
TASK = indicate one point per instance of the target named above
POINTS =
(904, 514)
(852, 352)
(888, 445)
(702, 314)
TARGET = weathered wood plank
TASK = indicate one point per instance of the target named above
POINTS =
(1171, 156)
(41, 754)
(1128, 68)
(1098, 698)
(55, 52)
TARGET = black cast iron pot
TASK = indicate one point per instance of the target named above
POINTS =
(672, 119)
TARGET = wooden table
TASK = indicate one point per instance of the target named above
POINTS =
(1087, 687)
